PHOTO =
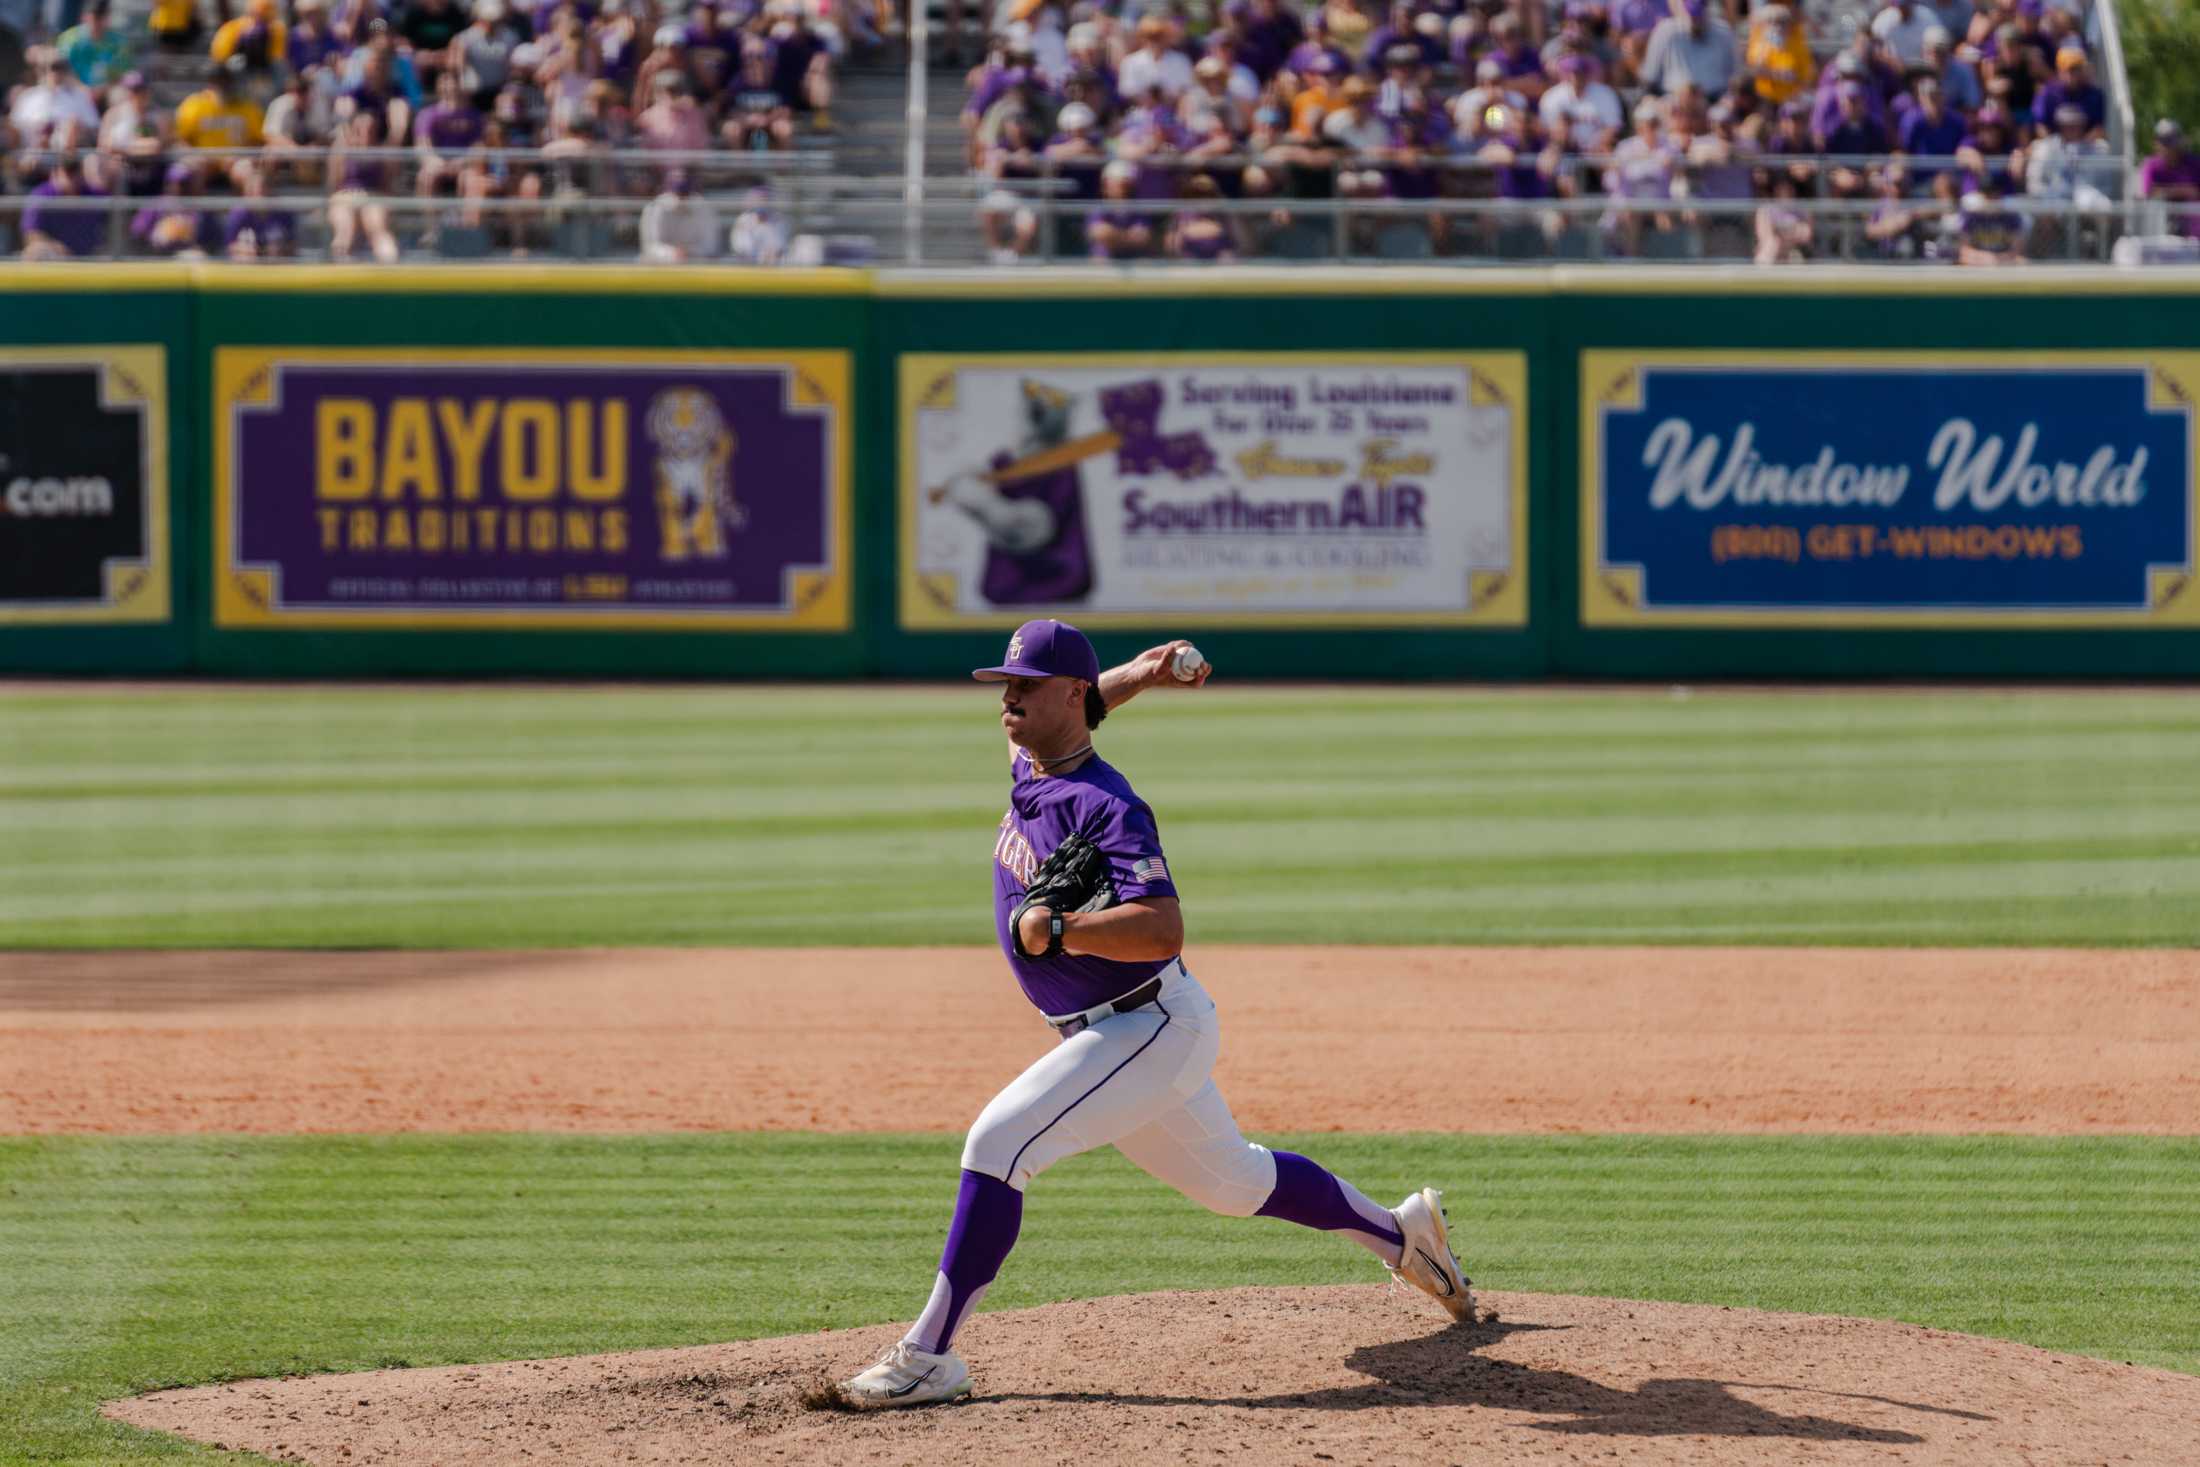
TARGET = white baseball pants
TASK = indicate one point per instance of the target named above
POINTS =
(1141, 1082)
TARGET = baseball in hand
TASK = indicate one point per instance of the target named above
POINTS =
(1185, 663)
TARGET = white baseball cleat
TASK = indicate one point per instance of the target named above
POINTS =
(908, 1376)
(1428, 1262)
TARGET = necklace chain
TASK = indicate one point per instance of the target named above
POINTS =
(1042, 765)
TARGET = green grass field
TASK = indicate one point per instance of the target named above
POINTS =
(185, 817)
(557, 817)
(133, 1264)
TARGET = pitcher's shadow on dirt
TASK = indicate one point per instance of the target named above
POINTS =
(1446, 1369)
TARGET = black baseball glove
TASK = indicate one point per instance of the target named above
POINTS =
(1073, 878)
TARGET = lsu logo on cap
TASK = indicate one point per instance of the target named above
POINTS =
(1016, 646)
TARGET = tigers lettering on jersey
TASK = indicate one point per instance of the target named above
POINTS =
(1013, 852)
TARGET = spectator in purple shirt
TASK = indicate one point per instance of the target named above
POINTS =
(1523, 172)
(1197, 233)
(1317, 43)
(1852, 66)
(1930, 129)
(253, 230)
(51, 233)
(758, 115)
(1632, 23)
(445, 129)
(1397, 30)
(310, 42)
(711, 51)
(2171, 174)
(1897, 227)
(351, 211)
(1008, 68)
(1792, 143)
(1853, 133)
(168, 226)
(1989, 154)
(1119, 232)
(1522, 63)
(377, 94)
(1272, 33)
(802, 65)
(1989, 231)
(2073, 87)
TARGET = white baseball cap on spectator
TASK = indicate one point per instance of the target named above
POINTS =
(1081, 35)
(488, 10)
(1937, 35)
(1429, 23)
(1121, 170)
(1076, 117)
(670, 35)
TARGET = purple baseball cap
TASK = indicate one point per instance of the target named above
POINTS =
(1045, 649)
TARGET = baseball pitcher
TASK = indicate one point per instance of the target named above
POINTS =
(1089, 917)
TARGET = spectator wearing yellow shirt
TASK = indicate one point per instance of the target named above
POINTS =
(220, 117)
(1315, 99)
(257, 35)
(175, 24)
(1778, 57)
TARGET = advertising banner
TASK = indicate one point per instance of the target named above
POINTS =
(1215, 488)
(83, 485)
(433, 487)
(1888, 489)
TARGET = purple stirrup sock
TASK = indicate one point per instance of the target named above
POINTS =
(1313, 1198)
(988, 1213)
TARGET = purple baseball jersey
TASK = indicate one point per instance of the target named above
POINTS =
(1059, 571)
(1094, 798)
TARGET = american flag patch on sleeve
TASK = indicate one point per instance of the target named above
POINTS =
(1149, 868)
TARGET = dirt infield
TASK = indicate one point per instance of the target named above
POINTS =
(1296, 1376)
(1483, 1039)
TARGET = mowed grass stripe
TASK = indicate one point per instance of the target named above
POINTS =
(456, 817)
(136, 1263)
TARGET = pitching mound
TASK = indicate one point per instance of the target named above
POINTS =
(1267, 1375)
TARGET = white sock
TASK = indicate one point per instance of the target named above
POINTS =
(935, 1328)
(1382, 1247)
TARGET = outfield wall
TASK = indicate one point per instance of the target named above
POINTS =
(567, 471)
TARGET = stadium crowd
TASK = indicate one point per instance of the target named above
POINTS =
(1181, 129)
(311, 95)
(1700, 125)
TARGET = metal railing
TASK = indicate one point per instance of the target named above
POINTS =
(1278, 231)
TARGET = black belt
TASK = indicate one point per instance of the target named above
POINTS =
(1137, 998)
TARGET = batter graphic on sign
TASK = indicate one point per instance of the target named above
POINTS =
(1030, 501)
(694, 474)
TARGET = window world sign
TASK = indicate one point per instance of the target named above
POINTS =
(1888, 489)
